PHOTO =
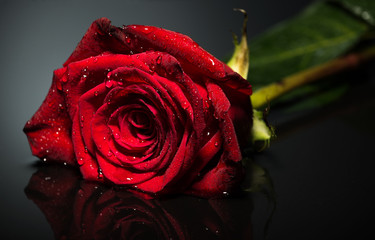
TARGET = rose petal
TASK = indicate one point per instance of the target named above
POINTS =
(97, 40)
(219, 181)
(49, 130)
(103, 37)
(222, 105)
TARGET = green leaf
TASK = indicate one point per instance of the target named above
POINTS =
(364, 9)
(320, 33)
(313, 96)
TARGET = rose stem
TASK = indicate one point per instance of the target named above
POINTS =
(267, 93)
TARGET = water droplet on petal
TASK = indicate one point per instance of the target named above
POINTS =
(117, 135)
(80, 161)
(82, 120)
(109, 154)
(185, 105)
(108, 84)
(96, 93)
(84, 76)
(100, 174)
(127, 39)
(216, 144)
(61, 107)
(158, 60)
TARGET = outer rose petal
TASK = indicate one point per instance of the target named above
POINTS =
(97, 40)
(103, 37)
(49, 130)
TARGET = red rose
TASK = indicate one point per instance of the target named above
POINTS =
(147, 108)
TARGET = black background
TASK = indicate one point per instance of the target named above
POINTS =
(322, 162)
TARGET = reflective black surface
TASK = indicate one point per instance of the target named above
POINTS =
(77, 209)
(322, 163)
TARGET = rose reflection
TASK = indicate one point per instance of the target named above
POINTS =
(78, 209)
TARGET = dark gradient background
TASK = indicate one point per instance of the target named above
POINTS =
(322, 164)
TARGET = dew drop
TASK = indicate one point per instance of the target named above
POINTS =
(152, 69)
(216, 144)
(61, 107)
(80, 161)
(109, 84)
(96, 93)
(158, 60)
(100, 174)
(84, 76)
(47, 178)
(117, 135)
(109, 154)
(185, 105)
(129, 179)
(95, 59)
(127, 39)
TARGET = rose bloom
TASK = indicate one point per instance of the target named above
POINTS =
(147, 108)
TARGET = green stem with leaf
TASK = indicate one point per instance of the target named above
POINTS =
(270, 92)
